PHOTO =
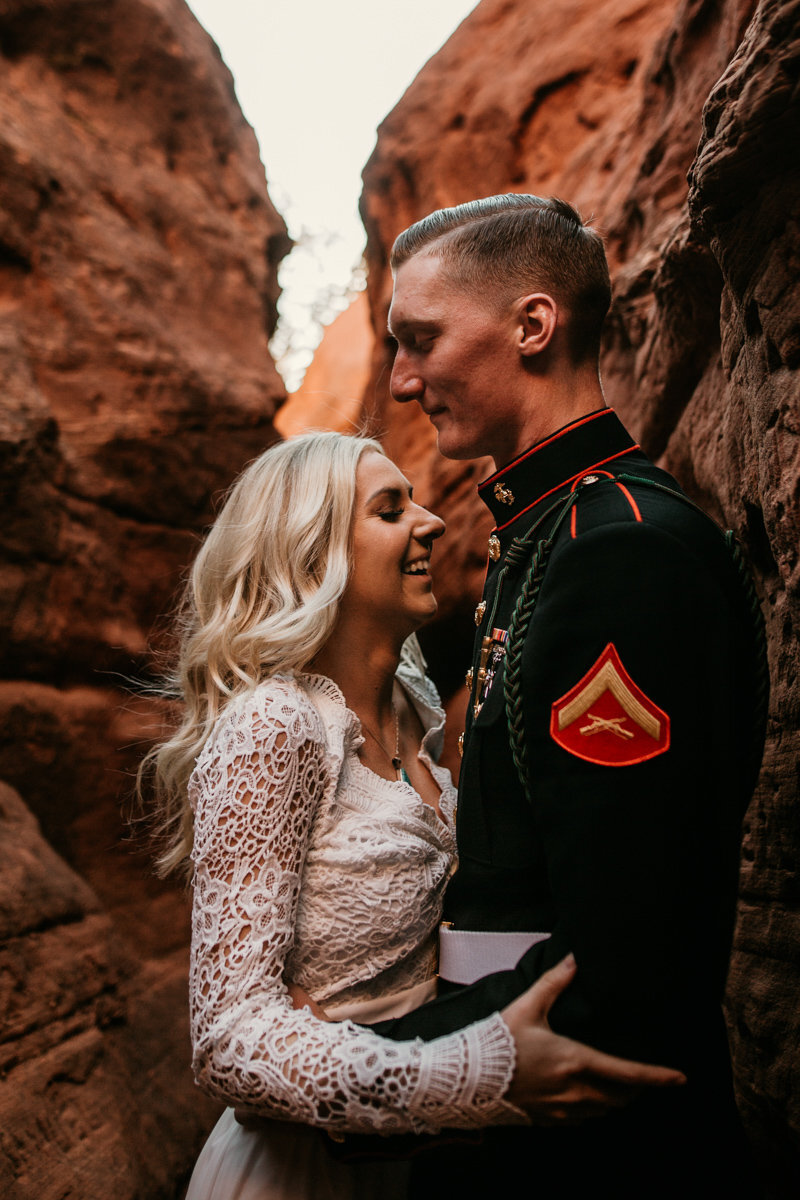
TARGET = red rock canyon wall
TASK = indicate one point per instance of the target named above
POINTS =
(138, 257)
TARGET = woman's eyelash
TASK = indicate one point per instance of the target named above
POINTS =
(391, 514)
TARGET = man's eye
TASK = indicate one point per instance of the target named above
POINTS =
(391, 514)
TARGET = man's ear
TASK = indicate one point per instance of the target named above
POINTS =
(537, 318)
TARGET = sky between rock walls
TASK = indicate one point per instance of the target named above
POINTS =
(315, 78)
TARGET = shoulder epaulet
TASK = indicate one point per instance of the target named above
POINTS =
(612, 500)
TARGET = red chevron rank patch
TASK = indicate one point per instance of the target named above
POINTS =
(607, 719)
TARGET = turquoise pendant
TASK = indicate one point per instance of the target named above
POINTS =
(401, 771)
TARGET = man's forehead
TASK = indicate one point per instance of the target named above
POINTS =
(423, 290)
(422, 270)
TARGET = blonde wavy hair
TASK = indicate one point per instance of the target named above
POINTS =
(263, 597)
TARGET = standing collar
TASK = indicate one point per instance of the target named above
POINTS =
(559, 459)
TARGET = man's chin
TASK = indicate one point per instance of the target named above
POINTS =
(453, 447)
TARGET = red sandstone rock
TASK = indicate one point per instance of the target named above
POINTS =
(138, 259)
(330, 396)
(96, 1096)
(138, 251)
(743, 202)
(604, 105)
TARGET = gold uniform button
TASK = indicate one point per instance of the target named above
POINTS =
(468, 678)
(479, 611)
(494, 547)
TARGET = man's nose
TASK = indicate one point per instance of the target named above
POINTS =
(404, 384)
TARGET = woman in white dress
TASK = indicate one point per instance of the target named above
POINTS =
(304, 782)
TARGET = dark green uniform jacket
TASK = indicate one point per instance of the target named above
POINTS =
(635, 701)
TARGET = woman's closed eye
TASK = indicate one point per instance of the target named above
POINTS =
(391, 514)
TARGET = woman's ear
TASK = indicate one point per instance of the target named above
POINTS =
(537, 317)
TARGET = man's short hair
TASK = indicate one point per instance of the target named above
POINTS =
(515, 244)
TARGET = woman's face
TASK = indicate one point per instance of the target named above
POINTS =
(392, 539)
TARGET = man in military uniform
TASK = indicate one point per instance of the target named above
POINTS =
(617, 693)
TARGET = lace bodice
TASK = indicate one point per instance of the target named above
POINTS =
(310, 868)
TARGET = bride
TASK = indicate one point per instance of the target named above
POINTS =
(304, 782)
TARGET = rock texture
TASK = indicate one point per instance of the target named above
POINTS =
(743, 441)
(138, 257)
(606, 105)
(88, 1078)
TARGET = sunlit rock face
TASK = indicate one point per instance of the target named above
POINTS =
(330, 396)
(138, 256)
(610, 107)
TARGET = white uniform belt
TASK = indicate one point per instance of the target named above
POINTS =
(466, 955)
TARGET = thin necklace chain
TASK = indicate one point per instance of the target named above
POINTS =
(395, 759)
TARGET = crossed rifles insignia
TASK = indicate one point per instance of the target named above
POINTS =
(607, 719)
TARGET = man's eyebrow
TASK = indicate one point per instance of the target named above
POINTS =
(410, 323)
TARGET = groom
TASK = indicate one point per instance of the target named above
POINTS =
(616, 713)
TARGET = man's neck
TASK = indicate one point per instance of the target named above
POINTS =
(554, 404)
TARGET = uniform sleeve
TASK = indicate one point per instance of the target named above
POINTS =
(628, 688)
(255, 791)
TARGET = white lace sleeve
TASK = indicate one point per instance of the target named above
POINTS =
(255, 791)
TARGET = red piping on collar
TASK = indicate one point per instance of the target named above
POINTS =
(572, 479)
(601, 412)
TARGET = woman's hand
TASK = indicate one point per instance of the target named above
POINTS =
(301, 999)
(559, 1081)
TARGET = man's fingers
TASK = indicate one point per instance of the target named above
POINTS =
(576, 1114)
(594, 1099)
(579, 1102)
(625, 1071)
(549, 986)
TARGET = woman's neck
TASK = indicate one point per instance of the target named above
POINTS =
(364, 670)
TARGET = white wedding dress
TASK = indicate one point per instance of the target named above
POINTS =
(311, 869)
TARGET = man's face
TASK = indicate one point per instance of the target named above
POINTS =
(458, 357)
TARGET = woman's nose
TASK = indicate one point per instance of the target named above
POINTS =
(431, 526)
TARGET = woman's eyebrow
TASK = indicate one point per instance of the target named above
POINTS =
(392, 494)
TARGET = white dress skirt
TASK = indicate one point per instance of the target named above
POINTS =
(285, 1161)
